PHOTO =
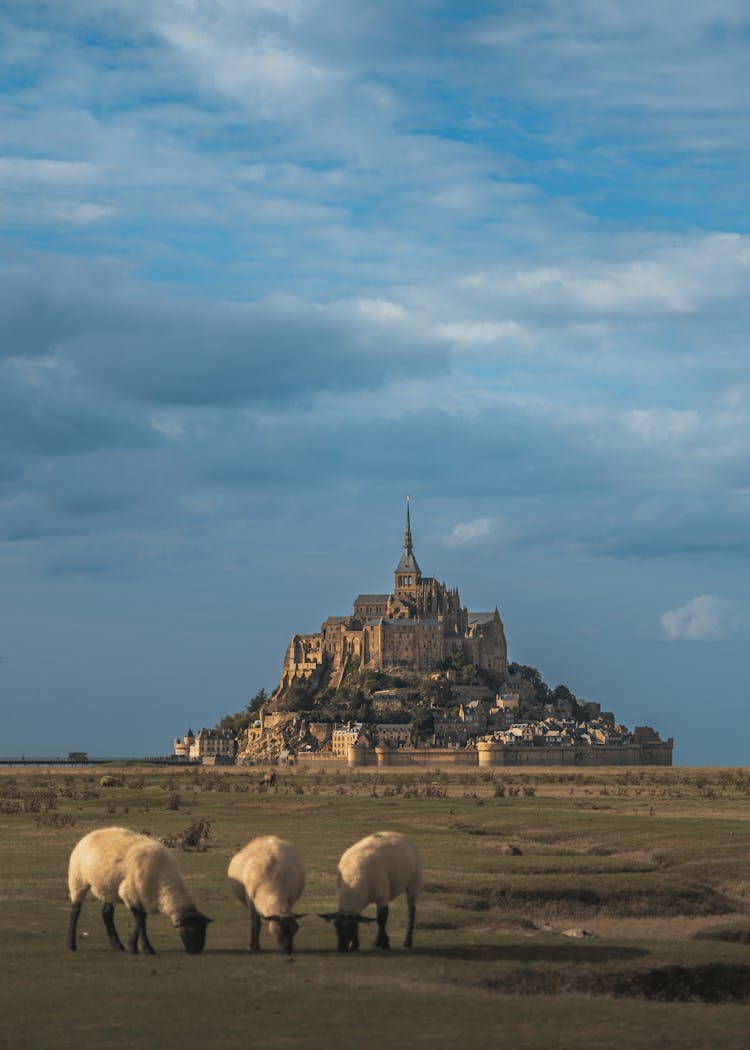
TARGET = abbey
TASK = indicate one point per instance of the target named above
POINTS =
(412, 629)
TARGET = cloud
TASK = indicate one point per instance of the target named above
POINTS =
(43, 170)
(283, 256)
(706, 618)
(192, 401)
(470, 533)
(112, 333)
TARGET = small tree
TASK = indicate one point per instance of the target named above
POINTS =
(240, 720)
(422, 723)
(436, 692)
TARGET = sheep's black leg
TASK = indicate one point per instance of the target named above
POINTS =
(382, 941)
(76, 911)
(140, 930)
(254, 932)
(410, 926)
(108, 915)
(133, 939)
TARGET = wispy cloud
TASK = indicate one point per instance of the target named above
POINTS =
(705, 618)
(470, 533)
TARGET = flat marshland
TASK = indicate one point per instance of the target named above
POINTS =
(653, 863)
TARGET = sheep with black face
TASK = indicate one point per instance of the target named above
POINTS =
(117, 864)
(268, 876)
(375, 870)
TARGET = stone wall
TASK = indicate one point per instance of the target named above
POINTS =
(489, 755)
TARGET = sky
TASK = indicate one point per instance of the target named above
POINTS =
(267, 268)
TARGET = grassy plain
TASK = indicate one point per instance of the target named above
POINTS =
(653, 862)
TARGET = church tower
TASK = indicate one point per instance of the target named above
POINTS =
(408, 574)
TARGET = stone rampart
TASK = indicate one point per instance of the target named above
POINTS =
(488, 755)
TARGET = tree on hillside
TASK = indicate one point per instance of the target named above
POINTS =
(436, 692)
(298, 697)
(240, 720)
(561, 694)
(542, 692)
(422, 723)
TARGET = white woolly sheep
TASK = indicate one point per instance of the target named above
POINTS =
(268, 876)
(375, 870)
(117, 864)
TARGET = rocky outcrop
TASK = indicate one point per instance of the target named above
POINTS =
(281, 732)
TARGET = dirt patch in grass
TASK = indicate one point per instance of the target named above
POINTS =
(706, 983)
(631, 901)
(709, 983)
(441, 924)
(728, 934)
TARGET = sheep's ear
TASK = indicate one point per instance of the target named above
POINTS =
(303, 915)
(329, 916)
(269, 918)
(364, 918)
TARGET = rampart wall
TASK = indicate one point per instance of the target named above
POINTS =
(490, 755)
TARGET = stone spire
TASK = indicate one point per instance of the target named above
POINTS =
(408, 573)
(407, 534)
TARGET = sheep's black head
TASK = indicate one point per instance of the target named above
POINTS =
(283, 929)
(192, 927)
(346, 924)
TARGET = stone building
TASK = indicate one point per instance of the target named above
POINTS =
(415, 627)
(345, 736)
(208, 744)
(182, 747)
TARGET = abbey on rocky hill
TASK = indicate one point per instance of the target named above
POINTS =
(413, 629)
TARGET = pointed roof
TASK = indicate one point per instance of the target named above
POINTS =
(408, 562)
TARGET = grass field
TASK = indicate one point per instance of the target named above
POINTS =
(654, 863)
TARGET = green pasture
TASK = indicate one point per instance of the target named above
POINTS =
(654, 863)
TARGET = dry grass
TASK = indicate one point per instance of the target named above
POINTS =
(655, 868)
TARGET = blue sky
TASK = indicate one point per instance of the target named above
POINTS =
(268, 267)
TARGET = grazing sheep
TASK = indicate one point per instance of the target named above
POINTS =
(375, 869)
(117, 864)
(268, 779)
(268, 875)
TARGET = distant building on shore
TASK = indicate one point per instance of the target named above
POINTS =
(209, 744)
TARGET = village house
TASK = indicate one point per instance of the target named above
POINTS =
(448, 731)
(392, 734)
(346, 735)
(474, 716)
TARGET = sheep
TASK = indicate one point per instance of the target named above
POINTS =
(268, 875)
(117, 864)
(268, 779)
(375, 869)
